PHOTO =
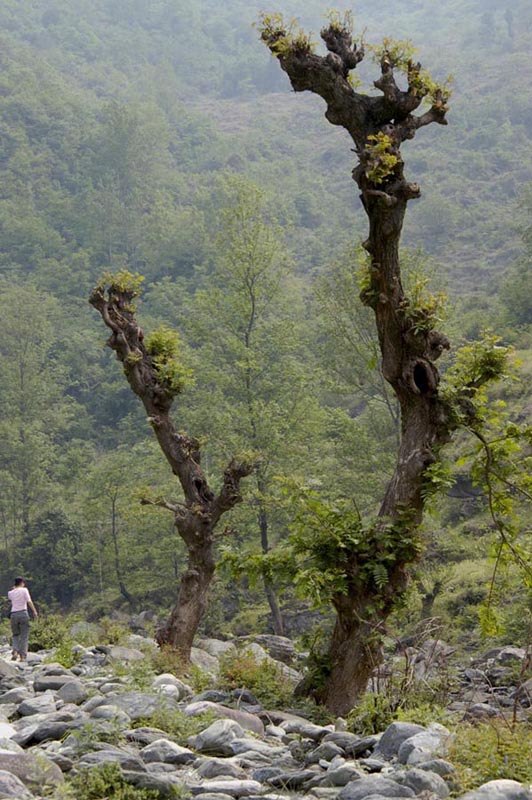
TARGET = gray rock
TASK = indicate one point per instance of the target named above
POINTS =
(164, 786)
(113, 755)
(16, 695)
(7, 731)
(291, 780)
(246, 746)
(374, 785)
(216, 739)
(305, 728)
(7, 670)
(248, 722)
(214, 796)
(166, 679)
(263, 774)
(144, 736)
(350, 743)
(113, 713)
(206, 662)
(424, 746)
(73, 692)
(233, 788)
(44, 682)
(10, 746)
(216, 647)
(166, 752)
(394, 736)
(422, 781)
(40, 704)
(141, 705)
(439, 766)
(215, 767)
(11, 786)
(35, 771)
(341, 776)
(481, 711)
(499, 790)
(325, 752)
(511, 655)
(278, 647)
(125, 654)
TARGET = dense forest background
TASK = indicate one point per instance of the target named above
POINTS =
(161, 138)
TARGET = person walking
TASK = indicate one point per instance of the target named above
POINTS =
(20, 599)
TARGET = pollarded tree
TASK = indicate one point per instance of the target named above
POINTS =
(372, 558)
(153, 368)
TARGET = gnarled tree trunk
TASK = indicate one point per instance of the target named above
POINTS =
(197, 516)
(408, 342)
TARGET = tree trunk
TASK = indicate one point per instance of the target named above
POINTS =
(277, 619)
(355, 652)
(180, 629)
(197, 515)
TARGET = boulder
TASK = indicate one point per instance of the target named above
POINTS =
(216, 647)
(125, 654)
(304, 728)
(422, 781)
(215, 767)
(280, 648)
(7, 670)
(394, 736)
(16, 695)
(511, 655)
(35, 771)
(499, 790)
(164, 786)
(73, 692)
(111, 755)
(205, 662)
(11, 786)
(424, 746)
(247, 721)
(166, 679)
(141, 705)
(7, 731)
(40, 704)
(374, 785)
(166, 752)
(233, 788)
(217, 737)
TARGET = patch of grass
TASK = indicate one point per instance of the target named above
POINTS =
(176, 724)
(107, 783)
(264, 679)
(491, 751)
(168, 659)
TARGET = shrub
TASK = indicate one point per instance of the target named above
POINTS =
(264, 679)
(49, 631)
(490, 751)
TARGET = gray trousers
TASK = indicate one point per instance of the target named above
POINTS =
(20, 628)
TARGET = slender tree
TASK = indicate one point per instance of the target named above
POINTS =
(155, 373)
(374, 557)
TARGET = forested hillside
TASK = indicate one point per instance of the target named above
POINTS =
(161, 138)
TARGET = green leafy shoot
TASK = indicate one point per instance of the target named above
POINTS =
(164, 346)
(282, 37)
(381, 158)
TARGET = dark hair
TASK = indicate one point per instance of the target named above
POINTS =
(19, 581)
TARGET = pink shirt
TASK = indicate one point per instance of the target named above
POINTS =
(20, 597)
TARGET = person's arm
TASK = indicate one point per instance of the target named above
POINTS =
(30, 603)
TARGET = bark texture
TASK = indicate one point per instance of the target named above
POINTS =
(198, 514)
(408, 342)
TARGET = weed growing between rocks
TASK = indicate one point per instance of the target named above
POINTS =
(167, 659)
(266, 680)
(176, 724)
(106, 782)
(490, 751)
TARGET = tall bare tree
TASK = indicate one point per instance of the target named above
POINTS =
(409, 343)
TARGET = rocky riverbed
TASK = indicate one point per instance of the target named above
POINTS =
(55, 721)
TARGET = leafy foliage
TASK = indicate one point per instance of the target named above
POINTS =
(164, 346)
